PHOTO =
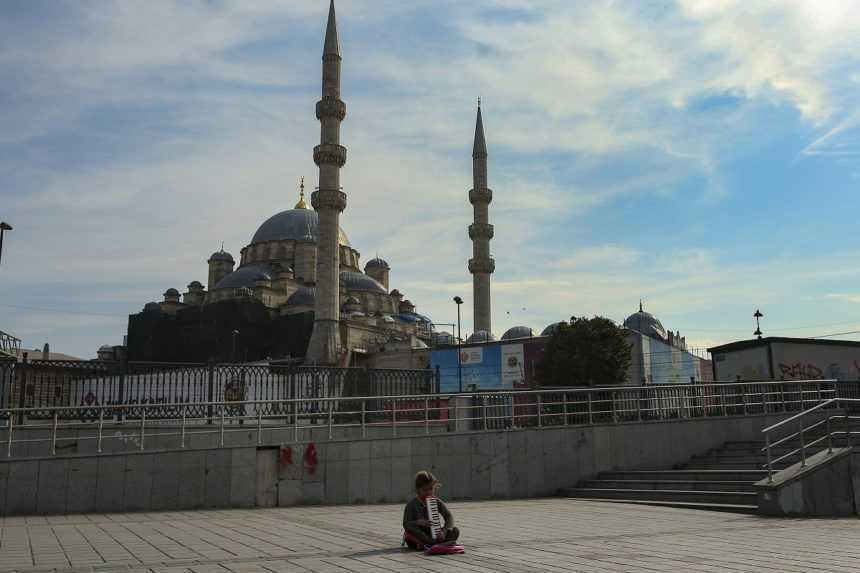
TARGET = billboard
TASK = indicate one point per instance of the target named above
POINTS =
(481, 367)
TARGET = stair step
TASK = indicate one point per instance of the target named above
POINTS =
(689, 485)
(727, 507)
(730, 497)
(687, 475)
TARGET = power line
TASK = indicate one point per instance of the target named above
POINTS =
(836, 334)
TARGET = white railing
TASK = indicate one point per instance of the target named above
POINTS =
(811, 435)
(174, 426)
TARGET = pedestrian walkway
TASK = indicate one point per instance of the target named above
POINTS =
(557, 535)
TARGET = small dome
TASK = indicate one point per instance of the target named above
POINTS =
(646, 323)
(305, 296)
(246, 277)
(518, 332)
(105, 348)
(355, 281)
(195, 284)
(221, 256)
(152, 307)
(481, 336)
(552, 329)
(171, 292)
(396, 293)
(377, 263)
(443, 338)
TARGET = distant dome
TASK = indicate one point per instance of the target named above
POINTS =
(105, 348)
(171, 292)
(356, 281)
(481, 336)
(443, 338)
(195, 284)
(292, 225)
(646, 323)
(552, 329)
(246, 276)
(377, 263)
(305, 296)
(221, 255)
(518, 332)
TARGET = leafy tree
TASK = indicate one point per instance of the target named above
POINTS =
(585, 352)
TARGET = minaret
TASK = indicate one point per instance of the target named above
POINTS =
(481, 265)
(329, 201)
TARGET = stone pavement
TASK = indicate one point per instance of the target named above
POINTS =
(556, 535)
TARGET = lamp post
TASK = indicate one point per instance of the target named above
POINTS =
(235, 334)
(758, 315)
(4, 226)
(459, 301)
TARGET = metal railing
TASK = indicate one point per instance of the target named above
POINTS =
(9, 345)
(810, 436)
(299, 420)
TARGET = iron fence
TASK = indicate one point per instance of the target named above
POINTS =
(41, 431)
(123, 390)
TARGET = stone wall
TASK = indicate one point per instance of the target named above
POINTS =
(503, 464)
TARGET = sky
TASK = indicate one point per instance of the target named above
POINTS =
(700, 155)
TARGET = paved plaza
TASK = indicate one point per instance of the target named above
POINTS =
(531, 535)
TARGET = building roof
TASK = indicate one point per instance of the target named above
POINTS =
(36, 354)
(646, 323)
(758, 342)
(293, 225)
(221, 255)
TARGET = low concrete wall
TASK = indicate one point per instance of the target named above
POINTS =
(829, 486)
(503, 464)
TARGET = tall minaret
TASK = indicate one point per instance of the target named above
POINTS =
(329, 201)
(481, 265)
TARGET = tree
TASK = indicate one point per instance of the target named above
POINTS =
(585, 352)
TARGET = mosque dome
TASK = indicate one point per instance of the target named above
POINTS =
(355, 281)
(551, 329)
(518, 332)
(293, 225)
(222, 256)
(645, 323)
(105, 348)
(171, 292)
(195, 284)
(481, 336)
(305, 296)
(443, 339)
(377, 263)
(246, 276)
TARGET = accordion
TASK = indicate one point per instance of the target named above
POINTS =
(433, 517)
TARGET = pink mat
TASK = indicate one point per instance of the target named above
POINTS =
(442, 549)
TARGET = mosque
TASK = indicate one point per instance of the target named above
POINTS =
(302, 270)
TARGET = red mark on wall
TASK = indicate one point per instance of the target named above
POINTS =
(286, 456)
(800, 371)
(311, 461)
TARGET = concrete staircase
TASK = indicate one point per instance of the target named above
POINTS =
(719, 479)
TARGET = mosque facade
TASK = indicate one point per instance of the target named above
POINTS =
(300, 261)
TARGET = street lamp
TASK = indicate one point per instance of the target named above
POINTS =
(4, 226)
(758, 315)
(459, 301)
(235, 334)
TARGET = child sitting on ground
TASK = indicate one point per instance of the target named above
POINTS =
(417, 534)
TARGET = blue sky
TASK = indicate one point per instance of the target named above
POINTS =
(701, 154)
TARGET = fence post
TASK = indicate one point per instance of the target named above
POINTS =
(123, 368)
(539, 408)
(22, 388)
(210, 392)
(802, 444)
(438, 380)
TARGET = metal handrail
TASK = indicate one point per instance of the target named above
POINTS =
(800, 434)
(799, 415)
